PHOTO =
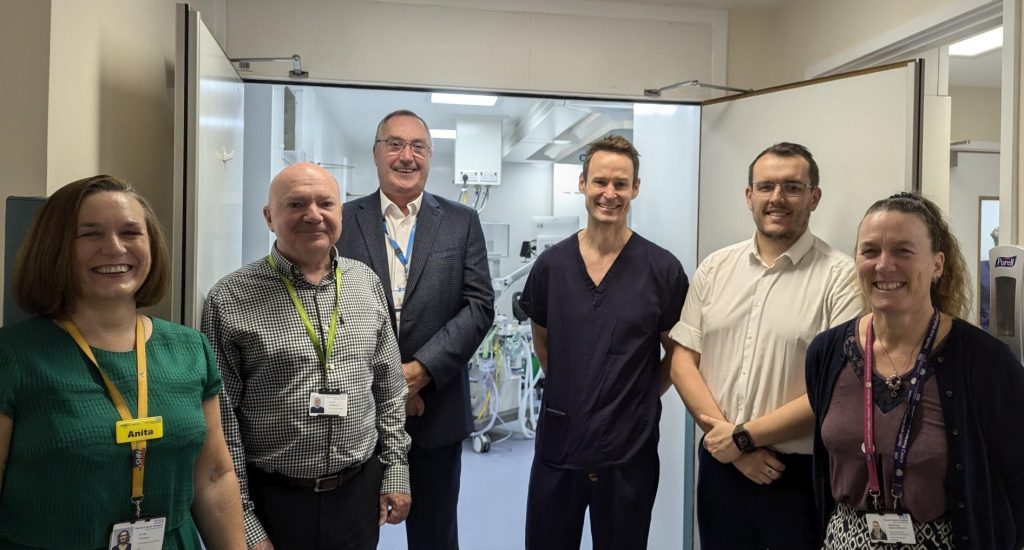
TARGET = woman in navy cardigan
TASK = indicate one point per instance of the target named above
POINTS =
(929, 441)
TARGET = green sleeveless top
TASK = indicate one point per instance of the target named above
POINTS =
(67, 482)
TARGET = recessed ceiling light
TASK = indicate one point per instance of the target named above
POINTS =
(464, 99)
(978, 44)
(442, 134)
(654, 109)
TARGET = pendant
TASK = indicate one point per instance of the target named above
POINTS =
(895, 384)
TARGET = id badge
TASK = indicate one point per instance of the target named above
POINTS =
(890, 529)
(139, 429)
(139, 534)
(328, 403)
(398, 296)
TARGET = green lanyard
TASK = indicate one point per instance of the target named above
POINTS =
(305, 318)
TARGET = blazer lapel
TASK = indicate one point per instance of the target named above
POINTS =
(427, 223)
(369, 218)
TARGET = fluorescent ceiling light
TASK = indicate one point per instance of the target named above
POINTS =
(979, 44)
(442, 134)
(464, 99)
(654, 109)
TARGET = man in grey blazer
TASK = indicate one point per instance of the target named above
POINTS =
(430, 255)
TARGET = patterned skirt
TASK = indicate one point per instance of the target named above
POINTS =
(848, 530)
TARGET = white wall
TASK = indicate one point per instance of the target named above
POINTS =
(665, 212)
(610, 48)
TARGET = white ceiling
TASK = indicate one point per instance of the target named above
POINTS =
(535, 129)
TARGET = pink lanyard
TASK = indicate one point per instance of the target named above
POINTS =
(903, 435)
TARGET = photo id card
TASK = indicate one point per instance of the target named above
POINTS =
(326, 403)
(890, 529)
(139, 534)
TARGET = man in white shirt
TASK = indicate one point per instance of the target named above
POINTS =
(751, 311)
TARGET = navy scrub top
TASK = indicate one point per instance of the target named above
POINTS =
(602, 403)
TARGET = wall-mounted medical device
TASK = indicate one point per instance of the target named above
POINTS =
(477, 150)
(1006, 296)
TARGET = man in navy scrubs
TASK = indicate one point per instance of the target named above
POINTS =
(602, 303)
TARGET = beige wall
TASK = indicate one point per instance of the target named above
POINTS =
(607, 48)
(25, 60)
(753, 48)
(772, 47)
(94, 94)
(975, 113)
(111, 96)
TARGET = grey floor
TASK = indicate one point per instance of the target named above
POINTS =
(492, 502)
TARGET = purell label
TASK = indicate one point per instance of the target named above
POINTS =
(1005, 261)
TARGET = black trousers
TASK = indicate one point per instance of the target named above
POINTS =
(434, 475)
(620, 499)
(734, 512)
(300, 519)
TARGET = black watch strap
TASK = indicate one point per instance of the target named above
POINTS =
(741, 437)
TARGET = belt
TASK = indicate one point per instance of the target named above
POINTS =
(316, 484)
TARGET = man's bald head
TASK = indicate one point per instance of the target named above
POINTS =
(304, 211)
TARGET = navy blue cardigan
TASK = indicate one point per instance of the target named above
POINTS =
(981, 389)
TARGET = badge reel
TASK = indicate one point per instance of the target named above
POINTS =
(328, 403)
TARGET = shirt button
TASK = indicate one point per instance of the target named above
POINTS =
(955, 431)
(949, 393)
(961, 505)
(959, 467)
(942, 359)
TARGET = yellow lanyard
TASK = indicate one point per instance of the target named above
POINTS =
(138, 447)
(323, 354)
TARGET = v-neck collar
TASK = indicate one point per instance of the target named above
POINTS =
(612, 269)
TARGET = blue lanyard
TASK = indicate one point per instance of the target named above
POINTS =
(402, 258)
(903, 435)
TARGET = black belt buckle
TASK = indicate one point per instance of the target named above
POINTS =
(328, 483)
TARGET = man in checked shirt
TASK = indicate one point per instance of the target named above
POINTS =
(299, 327)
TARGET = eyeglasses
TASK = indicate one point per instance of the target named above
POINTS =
(789, 188)
(397, 145)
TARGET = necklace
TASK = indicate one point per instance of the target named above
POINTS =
(893, 381)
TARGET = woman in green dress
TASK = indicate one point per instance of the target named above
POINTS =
(109, 419)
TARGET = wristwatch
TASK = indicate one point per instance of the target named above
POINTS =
(741, 437)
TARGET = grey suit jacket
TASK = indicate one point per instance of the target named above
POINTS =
(448, 308)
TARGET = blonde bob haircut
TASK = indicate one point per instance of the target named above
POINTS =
(44, 282)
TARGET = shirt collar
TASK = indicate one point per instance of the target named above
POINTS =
(294, 272)
(794, 253)
(390, 209)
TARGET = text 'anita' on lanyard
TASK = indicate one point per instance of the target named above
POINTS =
(903, 435)
(135, 431)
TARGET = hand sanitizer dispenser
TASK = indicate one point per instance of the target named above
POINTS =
(1006, 296)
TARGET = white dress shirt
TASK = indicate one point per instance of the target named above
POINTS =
(400, 227)
(752, 323)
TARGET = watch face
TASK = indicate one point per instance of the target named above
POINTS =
(743, 441)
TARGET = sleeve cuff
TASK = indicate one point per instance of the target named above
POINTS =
(687, 336)
(254, 532)
(396, 479)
